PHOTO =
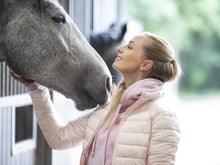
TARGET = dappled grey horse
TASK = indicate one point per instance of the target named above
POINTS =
(39, 41)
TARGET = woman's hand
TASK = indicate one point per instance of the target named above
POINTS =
(20, 79)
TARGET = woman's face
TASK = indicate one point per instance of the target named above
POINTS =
(130, 56)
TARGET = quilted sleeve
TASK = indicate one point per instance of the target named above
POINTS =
(58, 135)
(164, 139)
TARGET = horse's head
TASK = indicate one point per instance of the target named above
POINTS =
(39, 41)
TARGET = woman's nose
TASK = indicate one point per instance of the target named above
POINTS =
(119, 49)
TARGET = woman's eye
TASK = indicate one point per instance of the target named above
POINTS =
(59, 18)
(128, 47)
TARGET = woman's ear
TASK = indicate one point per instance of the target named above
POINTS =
(146, 65)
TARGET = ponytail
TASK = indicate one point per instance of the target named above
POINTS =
(176, 70)
(115, 102)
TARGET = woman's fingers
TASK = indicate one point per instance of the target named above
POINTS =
(15, 76)
(21, 79)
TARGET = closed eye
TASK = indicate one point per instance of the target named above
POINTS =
(128, 47)
(59, 18)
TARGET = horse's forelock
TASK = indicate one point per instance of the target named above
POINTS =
(39, 5)
(1, 6)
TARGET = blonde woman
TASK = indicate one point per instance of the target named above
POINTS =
(131, 129)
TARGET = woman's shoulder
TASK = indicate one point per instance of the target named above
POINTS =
(163, 116)
(157, 108)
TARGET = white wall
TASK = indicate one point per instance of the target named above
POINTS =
(105, 13)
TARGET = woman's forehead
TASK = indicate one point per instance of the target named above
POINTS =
(139, 39)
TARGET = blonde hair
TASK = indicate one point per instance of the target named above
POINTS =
(165, 67)
(115, 102)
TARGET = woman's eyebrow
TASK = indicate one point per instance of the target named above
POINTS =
(132, 42)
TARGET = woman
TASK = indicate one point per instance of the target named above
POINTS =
(134, 128)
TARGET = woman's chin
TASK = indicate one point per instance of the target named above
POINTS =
(114, 66)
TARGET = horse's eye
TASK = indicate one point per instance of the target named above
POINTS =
(59, 18)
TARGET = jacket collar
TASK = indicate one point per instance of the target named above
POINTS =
(150, 88)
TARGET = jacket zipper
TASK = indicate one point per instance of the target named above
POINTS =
(110, 129)
(90, 142)
(120, 124)
(127, 113)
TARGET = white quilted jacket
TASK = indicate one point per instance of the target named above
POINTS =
(147, 134)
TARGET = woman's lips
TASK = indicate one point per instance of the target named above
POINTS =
(119, 58)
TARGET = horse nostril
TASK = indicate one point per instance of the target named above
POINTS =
(107, 84)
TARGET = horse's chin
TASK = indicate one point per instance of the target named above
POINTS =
(82, 106)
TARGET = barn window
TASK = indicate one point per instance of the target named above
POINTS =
(23, 123)
(23, 129)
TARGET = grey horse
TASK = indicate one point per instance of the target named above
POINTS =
(39, 41)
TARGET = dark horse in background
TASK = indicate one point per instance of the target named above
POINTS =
(105, 43)
(39, 41)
